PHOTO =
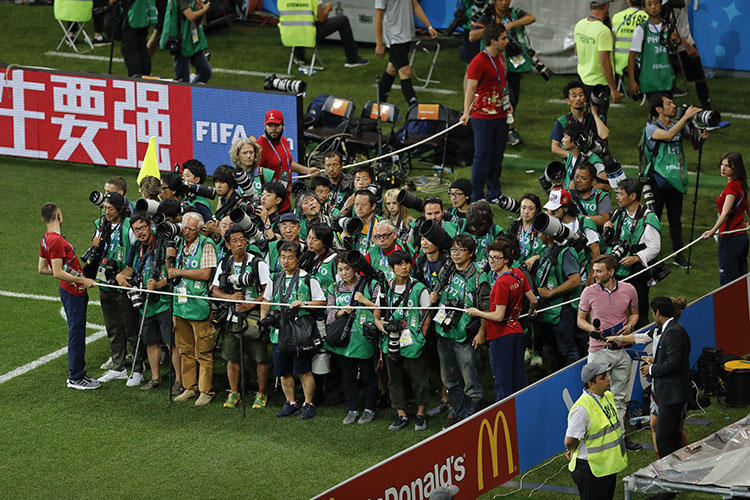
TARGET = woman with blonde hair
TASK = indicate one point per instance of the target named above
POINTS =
(245, 154)
(398, 214)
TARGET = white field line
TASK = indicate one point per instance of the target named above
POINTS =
(49, 298)
(100, 332)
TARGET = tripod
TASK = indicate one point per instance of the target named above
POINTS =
(695, 200)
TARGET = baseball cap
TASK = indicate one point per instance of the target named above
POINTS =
(114, 199)
(463, 185)
(591, 370)
(558, 198)
(599, 3)
(274, 116)
(289, 217)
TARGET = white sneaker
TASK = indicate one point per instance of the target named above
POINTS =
(107, 365)
(113, 375)
(135, 379)
(83, 384)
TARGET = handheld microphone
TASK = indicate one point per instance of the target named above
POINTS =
(596, 335)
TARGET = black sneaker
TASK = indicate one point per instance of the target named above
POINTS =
(632, 445)
(288, 409)
(101, 41)
(420, 423)
(399, 423)
(308, 411)
(679, 260)
(358, 62)
(514, 138)
(443, 406)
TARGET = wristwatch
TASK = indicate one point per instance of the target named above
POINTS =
(304, 303)
(268, 226)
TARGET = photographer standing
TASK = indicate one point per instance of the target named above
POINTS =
(146, 269)
(191, 271)
(485, 103)
(732, 206)
(634, 239)
(403, 341)
(666, 164)
(184, 38)
(137, 16)
(292, 286)
(58, 258)
(194, 172)
(386, 242)
(589, 119)
(514, 20)
(648, 47)
(593, 46)
(119, 316)
(242, 276)
(463, 286)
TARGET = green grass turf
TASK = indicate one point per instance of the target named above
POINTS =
(117, 442)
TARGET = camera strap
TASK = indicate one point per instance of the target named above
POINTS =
(403, 298)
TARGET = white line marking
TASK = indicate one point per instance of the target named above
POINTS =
(100, 332)
(46, 359)
(49, 298)
(91, 57)
(431, 90)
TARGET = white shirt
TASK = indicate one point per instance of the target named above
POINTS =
(316, 293)
(637, 44)
(578, 427)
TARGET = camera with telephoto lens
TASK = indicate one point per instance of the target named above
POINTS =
(89, 255)
(137, 297)
(539, 66)
(243, 180)
(350, 225)
(507, 203)
(148, 206)
(241, 280)
(97, 198)
(370, 331)
(649, 198)
(271, 320)
(173, 46)
(620, 249)
(284, 85)
(191, 188)
(600, 95)
(459, 19)
(607, 234)
(554, 173)
(393, 330)
(248, 223)
(705, 118)
(410, 200)
(451, 315)
(555, 229)
(588, 142)
(299, 188)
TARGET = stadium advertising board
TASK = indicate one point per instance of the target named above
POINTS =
(97, 119)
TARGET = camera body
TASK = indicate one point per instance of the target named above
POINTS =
(370, 331)
(173, 46)
(393, 331)
(272, 320)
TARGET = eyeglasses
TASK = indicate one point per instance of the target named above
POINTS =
(458, 250)
(139, 229)
(495, 258)
(383, 236)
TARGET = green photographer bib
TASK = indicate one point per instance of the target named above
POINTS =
(411, 341)
(359, 347)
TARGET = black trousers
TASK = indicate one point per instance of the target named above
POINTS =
(329, 27)
(668, 435)
(591, 487)
(134, 51)
(366, 369)
(672, 199)
(640, 283)
(514, 86)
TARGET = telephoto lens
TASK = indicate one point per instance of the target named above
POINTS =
(615, 174)
(706, 118)
(146, 205)
(97, 198)
(648, 197)
(201, 190)
(242, 179)
(507, 203)
(241, 280)
(410, 200)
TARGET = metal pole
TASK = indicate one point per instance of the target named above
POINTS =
(695, 200)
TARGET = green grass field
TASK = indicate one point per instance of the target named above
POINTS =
(118, 443)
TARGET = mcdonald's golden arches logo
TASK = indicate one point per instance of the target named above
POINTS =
(492, 434)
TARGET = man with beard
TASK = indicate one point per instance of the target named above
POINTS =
(386, 242)
(575, 96)
(341, 182)
(276, 154)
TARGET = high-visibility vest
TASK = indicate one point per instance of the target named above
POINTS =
(604, 441)
(297, 22)
(73, 10)
(624, 22)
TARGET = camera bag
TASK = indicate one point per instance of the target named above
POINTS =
(296, 333)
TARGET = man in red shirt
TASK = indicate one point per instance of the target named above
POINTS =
(58, 258)
(504, 331)
(276, 154)
(487, 103)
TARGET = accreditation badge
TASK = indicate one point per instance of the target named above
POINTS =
(181, 292)
(406, 338)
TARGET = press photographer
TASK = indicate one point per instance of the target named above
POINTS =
(146, 269)
(591, 203)
(588, 117)
(242, 276)
(196, 193)
(665, 168)
(386, 243)
(114, 243)
(649, 49)
(480, 227)
(185, 40)
(192, 264)
(634, 238)
(461, 285)
(403, 340)
(293, 329)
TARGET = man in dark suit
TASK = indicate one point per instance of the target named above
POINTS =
(670, 371)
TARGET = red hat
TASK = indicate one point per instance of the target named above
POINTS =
(558, 198)
(274, 116)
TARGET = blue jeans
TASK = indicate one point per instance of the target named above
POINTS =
(507, 364)
(490, 137)
(75, 312)
(199, 62)
(732, 257)
(459, 369)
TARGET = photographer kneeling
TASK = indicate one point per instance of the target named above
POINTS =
(295, 287)
(242, 276)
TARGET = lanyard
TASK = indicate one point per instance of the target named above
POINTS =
(284, 295)
(497, 72)
(524, 236)
(609, 406)
(148, 253)
(192, 255)
(116, 238)
(287, 156)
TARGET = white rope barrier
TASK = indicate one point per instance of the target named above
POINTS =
(377, 158)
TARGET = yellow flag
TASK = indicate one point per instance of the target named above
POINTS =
(150, 165)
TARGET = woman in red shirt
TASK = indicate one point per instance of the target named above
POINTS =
(732, 205)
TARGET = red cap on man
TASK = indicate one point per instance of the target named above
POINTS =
(274, 116)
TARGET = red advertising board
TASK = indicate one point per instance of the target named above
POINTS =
(476, 455)
(92, 119)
